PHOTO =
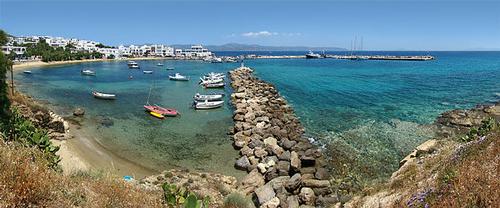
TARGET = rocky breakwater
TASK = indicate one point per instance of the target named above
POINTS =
(285, 169)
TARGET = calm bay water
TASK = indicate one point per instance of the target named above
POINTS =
(368, 113)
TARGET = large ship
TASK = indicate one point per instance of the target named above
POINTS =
(312, 55)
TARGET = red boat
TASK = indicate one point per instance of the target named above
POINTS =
(160, 110)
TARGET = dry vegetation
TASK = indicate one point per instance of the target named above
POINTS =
(26, 181)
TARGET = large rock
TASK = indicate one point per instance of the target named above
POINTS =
(273, 203)
(78, 112)
(251, 182)
(294, 161)
(315, 183)
(260, 152)
(270, 141)
(242, 163)
(240, 140)
(283, 168)
(292, 201)
(279, 182)
(307, 196)
(322, 174)
(294, 182)
(246, 151)
(265, 193)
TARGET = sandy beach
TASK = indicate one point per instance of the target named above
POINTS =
(31, 64)
(82, 152)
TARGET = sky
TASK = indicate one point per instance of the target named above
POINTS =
(383, 24)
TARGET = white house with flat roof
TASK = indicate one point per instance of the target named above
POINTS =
(197, 51)
(18, 50)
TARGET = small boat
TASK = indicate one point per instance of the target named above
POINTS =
(88, 72)
(159, 64)
(211, 81)
(161, 110)
(178, 77)
(216, 60)
(169, 68)
(103, 96)
(208, 104)
(214, 85)
(147, 71)
(157, 115)
(199, 97)
(215, 75)
(133, 65)
(27, 72)
(312, 55)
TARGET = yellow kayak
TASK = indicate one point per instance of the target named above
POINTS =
(157, 115)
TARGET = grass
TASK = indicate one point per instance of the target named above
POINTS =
(26, 181)
(237, 200)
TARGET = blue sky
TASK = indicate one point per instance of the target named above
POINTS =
(384, 25)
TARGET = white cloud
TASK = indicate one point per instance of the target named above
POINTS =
(259, 34)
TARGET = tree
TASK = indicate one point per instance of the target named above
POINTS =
(3, 37)
(4, 67)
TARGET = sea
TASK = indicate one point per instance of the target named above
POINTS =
(366, 114)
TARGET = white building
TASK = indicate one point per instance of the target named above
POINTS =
(57, 42)
(110, 51)
(13, 49)
(197, 51)
(161, 50)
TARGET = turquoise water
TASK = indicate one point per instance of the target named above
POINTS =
(369, 114)
(196, 139)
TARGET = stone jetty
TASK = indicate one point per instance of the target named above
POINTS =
(284, 168)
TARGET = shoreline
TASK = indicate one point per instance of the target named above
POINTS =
(34, 64)
(80, 150)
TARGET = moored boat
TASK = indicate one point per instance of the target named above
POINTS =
(161, 110)
(199, 97)
(147, 71)
(208, 104)
(214, 85)
(157, 115)
(312, 55)
(159, 64)
(88, 72)
(170, 68)
(27, 72)
(104, 96)
(133, 65)
(178, 77)
(211, 81)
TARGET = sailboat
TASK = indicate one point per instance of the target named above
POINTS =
(156, 110)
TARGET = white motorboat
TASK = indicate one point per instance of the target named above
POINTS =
(312, 55)
(178, 77)
(159, 64)
(27, 72)
(211, 81)
(103, 96)
(88, 72)
(199, 97)
(214, 85)
(213, 75)
(147, 71)
(134, 66)
(208, 104)
(216, 60)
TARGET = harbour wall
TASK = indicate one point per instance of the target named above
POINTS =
(284, 168)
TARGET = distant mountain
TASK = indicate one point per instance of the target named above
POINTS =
(255, 47)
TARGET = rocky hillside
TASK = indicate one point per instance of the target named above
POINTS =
(460, 168)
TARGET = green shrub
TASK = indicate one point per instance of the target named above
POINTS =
(237, 200)
(21, 130)
(181, 197)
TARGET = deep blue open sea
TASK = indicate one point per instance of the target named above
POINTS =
(371, 112)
